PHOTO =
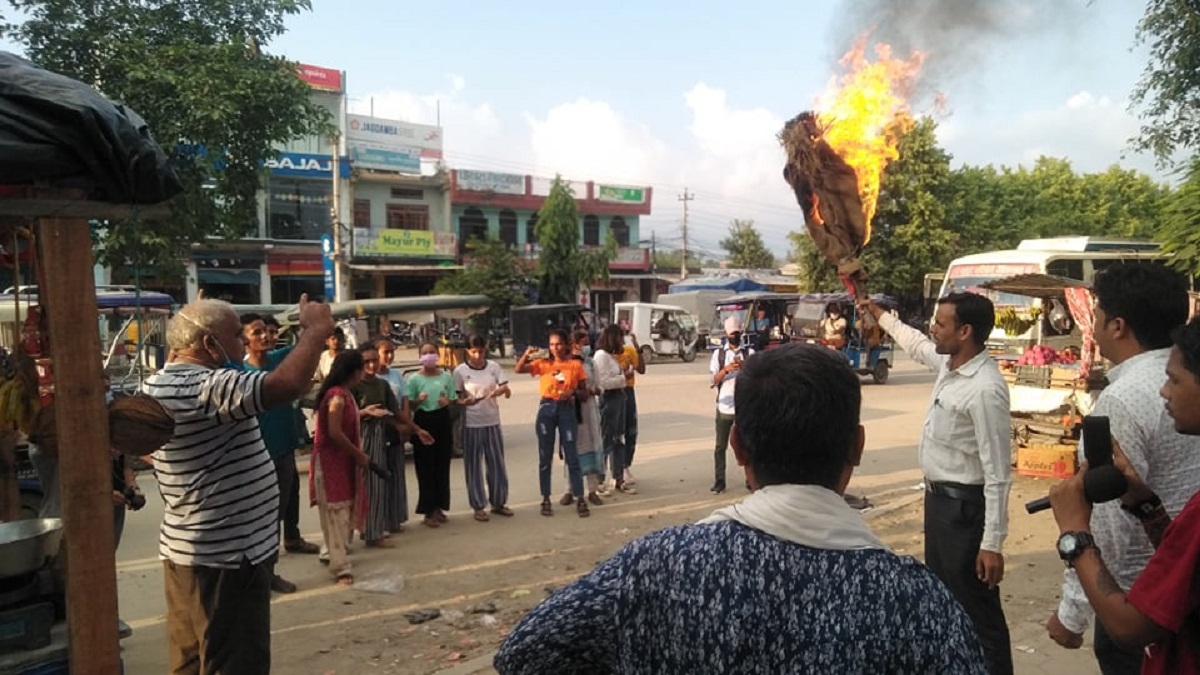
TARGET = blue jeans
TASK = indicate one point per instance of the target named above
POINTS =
(612, 430)
(560, 416)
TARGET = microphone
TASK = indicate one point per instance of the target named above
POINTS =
(1101, 484)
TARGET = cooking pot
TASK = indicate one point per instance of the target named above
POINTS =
(26, 545)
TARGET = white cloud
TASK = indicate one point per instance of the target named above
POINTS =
(588, 140)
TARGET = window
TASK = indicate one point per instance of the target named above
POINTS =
(472, 224)
(620, 230)
(362, 213)
(408, 193)
(591, 231)
(298, 209)
(406, 217)
(531, 229)
(508, 227)
(1068, 269)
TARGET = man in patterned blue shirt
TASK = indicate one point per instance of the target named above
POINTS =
(789, 580)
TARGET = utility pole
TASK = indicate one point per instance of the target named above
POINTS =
(685, 198)
(653, 253)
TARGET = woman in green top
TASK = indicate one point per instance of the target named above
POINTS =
(431, 392)
(375, 514)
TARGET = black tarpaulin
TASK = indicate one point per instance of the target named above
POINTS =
(61, 131)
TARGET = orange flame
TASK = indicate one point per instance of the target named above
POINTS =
(860, 111)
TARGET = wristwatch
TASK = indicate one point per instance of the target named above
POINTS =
(1072, 544)
(1144, 509)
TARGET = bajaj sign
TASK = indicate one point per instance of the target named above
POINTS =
(306, 165)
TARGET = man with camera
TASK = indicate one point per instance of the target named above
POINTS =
(1160, 610)
(1137, 307)
(725, 365)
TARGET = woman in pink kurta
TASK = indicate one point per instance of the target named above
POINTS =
(337, 454)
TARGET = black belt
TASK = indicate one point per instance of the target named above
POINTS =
(959, 491)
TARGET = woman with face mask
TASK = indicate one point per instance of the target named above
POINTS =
(431, 392)
(480, 384)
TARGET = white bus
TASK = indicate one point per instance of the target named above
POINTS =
(1078, 258)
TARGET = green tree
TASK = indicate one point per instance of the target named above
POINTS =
(1169, 90)
(497, 271)
(745, 247)
(564, 265)
(909, 234)
(669, 261)
(1181, 222)
(197, 72)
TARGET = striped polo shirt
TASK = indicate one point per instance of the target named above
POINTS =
(221, 498)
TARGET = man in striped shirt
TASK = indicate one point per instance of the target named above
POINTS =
(221, 498)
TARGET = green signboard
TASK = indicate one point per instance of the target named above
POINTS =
(625, 195)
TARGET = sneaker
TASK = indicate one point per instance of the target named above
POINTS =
(717, 488)
(281, 585)
(627, 489)
(629, 479)
(605, 490)
(567, 499)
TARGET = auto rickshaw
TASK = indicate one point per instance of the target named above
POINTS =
(866, 346)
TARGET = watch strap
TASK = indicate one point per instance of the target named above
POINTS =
(1145, 509)
(1083, 540)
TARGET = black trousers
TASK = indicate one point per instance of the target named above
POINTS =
(289, 496)
(218, 620)
(1112, 657)
(433, 461)
(953, 532)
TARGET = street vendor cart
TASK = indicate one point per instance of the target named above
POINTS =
(1051, 388)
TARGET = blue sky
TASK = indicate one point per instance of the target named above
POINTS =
(675, 94)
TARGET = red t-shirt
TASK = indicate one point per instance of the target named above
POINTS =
(1168, 592)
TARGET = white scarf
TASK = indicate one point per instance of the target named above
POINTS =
(809, 515)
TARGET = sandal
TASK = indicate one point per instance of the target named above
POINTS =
(301, 546)
(567, 499)
(503, 511)
(547, 510)
(481, 516)
(440, 515)
(582, 508)
(430, 522)
(345, 579)
(595, 498)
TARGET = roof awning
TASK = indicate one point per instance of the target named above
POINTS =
(409, 269)
(231, 277)
(1035, 285)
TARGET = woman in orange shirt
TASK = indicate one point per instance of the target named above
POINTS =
(562, 380)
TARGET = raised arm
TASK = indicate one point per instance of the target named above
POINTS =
(293, 377)
(914, 342)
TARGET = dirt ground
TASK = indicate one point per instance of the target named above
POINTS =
(373, 635)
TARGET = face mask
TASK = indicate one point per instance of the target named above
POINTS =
(429, 360)
(586, 350)
(229, 363)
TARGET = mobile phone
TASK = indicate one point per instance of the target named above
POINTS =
(1097, 441)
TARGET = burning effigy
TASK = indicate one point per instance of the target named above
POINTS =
(836, 154)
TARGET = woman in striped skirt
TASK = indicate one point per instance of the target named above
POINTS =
(379, 409)
(397, 507)
(480, 383)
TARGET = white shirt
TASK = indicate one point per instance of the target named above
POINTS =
(726, 388)
(480, 383)
(608, 372)
(1167, 461)
(966, 437)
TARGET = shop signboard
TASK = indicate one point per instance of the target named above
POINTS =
(621, 194)
(306, 165)
(389, 243)
(321, 79)
(390, 145)
(489, 181)
(327, 265)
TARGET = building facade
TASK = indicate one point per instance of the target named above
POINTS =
(504, 206)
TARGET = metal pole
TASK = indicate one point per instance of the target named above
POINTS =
(336, 210)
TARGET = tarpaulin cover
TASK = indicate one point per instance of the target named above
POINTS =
(731, 284)
(64, 132)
